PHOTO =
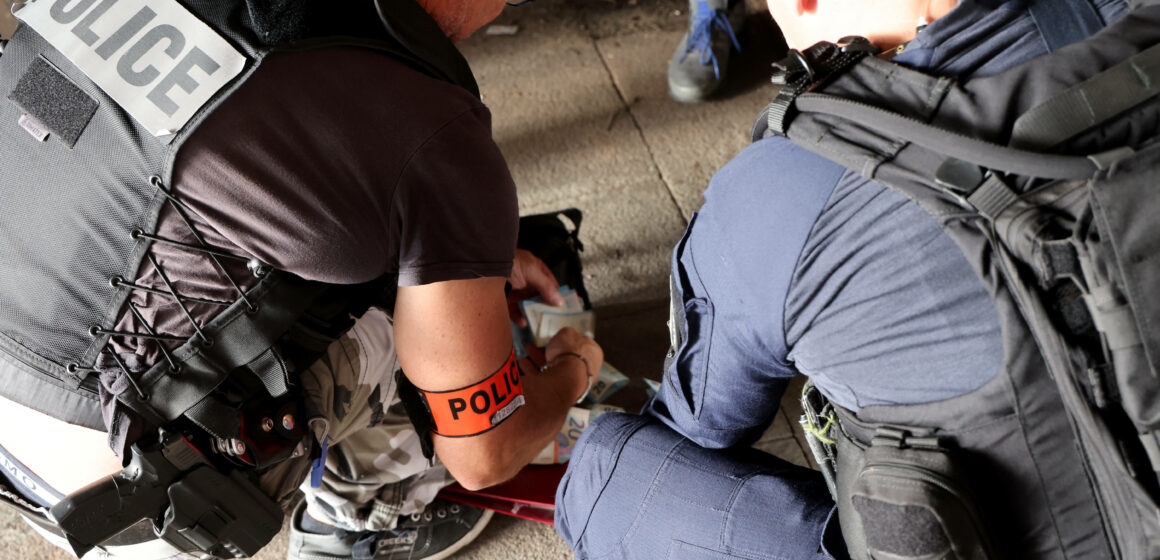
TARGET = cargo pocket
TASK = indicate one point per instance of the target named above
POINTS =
(912, 503)
(690, 332)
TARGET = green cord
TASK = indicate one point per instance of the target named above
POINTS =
(820, 433)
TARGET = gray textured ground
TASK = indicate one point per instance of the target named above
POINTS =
(581, 111)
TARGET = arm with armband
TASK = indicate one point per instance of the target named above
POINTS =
(451, 336)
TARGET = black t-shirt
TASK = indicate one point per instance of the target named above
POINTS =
(338, 165)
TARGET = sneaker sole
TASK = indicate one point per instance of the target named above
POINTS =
(466, 539)
(690, 94)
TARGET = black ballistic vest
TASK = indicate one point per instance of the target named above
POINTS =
(86, 172)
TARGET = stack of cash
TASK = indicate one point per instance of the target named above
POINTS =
(544, 320)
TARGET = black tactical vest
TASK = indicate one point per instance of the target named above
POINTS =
(93, 114)
(1045, 176)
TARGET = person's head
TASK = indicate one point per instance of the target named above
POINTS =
(460, 18)
(885, 22)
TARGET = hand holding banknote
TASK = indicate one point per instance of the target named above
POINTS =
(530, 277)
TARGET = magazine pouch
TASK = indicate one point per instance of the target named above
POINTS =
(1117, 256)
(912, 504)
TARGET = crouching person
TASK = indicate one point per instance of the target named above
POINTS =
(797, 265)
(199, 200)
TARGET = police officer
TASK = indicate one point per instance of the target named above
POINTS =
(197, 197)
(797, 265)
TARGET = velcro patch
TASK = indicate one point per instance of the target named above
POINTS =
(157, 60)
(477, 408)
(54, 101)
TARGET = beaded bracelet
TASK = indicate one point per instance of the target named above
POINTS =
(587, 370)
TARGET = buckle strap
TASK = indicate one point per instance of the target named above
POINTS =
(803, 71)
(1113, 317)
(217, 419)
(993, 197)
(272, 371)
(1058, 259)
(903, 438)
(977, 188)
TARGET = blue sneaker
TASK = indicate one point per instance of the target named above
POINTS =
(698, 65)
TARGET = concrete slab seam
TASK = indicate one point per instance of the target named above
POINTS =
(627, 108)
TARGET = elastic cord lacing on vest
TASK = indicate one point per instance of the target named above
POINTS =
(181, 209)
(202, 246)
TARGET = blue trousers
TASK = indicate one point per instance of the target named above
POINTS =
(637, 490)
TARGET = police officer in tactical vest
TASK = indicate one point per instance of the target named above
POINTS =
(936, 224)
(229, 228)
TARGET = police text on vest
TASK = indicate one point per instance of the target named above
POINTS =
(158, 61)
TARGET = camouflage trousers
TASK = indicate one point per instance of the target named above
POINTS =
(374, 469)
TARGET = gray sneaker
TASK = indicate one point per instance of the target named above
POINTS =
(698, 65)
(440, 531)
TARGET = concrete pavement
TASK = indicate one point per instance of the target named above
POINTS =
(581, 111)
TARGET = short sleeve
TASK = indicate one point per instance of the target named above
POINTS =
(456, 209)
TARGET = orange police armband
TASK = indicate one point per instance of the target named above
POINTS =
(477, 408)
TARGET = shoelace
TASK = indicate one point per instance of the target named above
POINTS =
(214, 254)
(367, 545)
(701, 35)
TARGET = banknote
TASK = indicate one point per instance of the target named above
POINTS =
(552, 322)
(651, 387)
(608, 381)
(544, 320)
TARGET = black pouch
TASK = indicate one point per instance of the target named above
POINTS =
(912, 503)
(554, 237)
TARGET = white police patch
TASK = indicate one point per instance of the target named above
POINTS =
(153, 57)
